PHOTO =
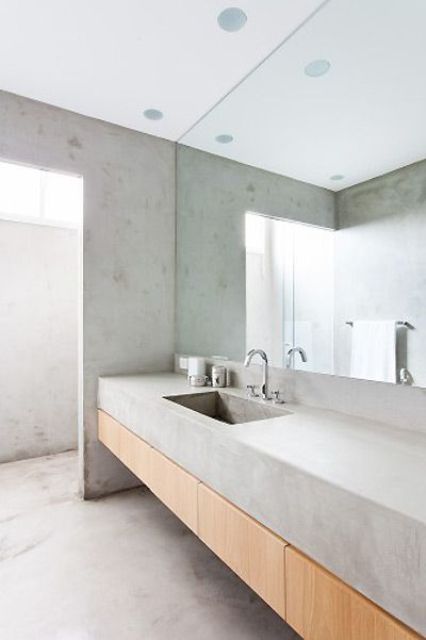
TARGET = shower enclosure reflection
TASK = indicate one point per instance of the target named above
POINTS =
(290, 292)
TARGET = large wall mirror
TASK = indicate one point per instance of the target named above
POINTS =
(301, 211)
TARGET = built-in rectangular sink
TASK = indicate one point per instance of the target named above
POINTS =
(227, 408)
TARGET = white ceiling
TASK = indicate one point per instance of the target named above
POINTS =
(112, 59)
(366, 117)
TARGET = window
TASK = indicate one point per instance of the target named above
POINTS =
(29, 194)
(255, 233)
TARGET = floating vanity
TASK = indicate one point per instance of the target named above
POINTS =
(322, 514)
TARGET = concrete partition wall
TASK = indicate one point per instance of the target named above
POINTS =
(128, 251)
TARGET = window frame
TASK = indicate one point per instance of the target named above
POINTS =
(41, 219)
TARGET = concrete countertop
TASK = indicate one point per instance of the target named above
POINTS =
(348, 492)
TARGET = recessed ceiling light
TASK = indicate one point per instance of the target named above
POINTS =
(317, 68)
(153, 114)
(337, 176)
(232, 19)
(224, 138)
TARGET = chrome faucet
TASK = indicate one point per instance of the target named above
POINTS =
(262, 354)
(291, 353)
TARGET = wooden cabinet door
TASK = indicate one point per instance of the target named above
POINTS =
(175, 487)
(224, 529)
(322, 607)
(135, 454)
(109, 432)
(252, 551)
(127, 446)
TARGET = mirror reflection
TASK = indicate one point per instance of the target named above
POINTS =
(302, 203)
(289, 293)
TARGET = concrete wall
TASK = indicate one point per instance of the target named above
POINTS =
(128, 250)
(213, 194)
(38, 340)
(380, 270)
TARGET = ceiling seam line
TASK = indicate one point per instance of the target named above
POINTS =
(255, 68)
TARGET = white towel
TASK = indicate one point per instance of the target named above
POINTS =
(373, 354)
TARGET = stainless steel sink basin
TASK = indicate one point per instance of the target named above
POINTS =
(227, 408)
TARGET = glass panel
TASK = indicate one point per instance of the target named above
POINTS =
(255, 233)
(269, 286)
(313, 299)
(290, 293)
(63, 198)
(29, 193)
(20, 191)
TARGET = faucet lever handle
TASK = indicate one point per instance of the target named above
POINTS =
(275, 396)
(251, 391)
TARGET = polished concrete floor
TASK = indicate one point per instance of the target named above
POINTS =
(118, 568)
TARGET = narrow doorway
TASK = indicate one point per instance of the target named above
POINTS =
(41, 214)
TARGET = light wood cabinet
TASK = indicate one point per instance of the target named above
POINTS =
(175, 487)
(128, 447)
(135, 454)
(109, 432)
(319, 606)
(252, 551)
(314, 602)
(171, 484)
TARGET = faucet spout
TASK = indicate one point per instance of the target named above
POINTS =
(292, 352)
(264, 357)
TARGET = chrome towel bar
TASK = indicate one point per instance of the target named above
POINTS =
(400, 323)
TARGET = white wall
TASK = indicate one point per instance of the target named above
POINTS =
(38, 340)
(128, 251)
